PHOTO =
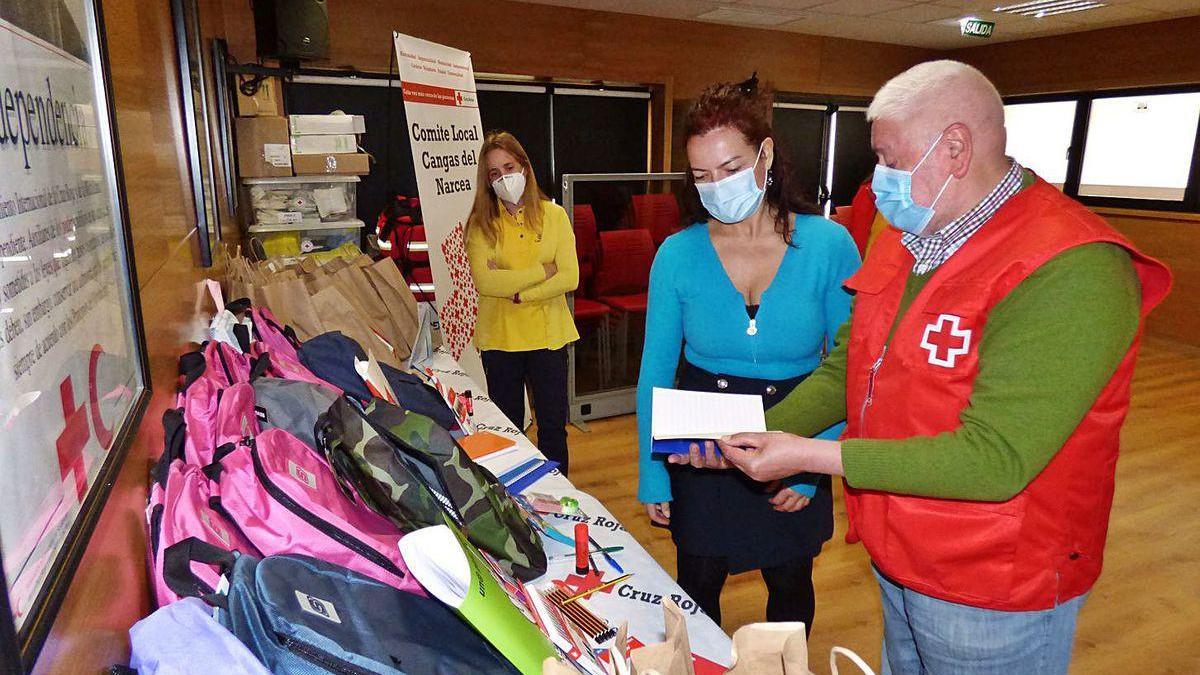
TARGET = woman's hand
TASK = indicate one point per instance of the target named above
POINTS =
(492, 264)
(660, 513)
(788, 500)
(551, 269)
(701, 458)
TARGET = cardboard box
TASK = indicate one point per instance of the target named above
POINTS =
(263, 147)
(309, 125)
(356, 163)
(325, 144)
(267, 101)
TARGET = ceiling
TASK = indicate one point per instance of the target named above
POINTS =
(927, 23)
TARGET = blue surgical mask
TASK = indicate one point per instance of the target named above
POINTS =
(733, 198)
(893, 196)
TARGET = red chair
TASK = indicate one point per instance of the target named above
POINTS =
(587, 245)
(656, 213)
(592, 313)
(623, 278)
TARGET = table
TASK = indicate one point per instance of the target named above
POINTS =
(638, 600)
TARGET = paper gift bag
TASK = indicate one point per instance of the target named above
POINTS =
(672, 656)
(353, 282)
(337, 313)
(770, 649)
(290, 302)
(397, 297)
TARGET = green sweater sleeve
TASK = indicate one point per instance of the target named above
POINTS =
(819, 401)
(1046, 352)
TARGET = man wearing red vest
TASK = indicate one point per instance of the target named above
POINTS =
(984, 376)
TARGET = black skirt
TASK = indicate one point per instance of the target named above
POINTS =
(728, 515)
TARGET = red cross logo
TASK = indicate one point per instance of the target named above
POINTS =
(946, 341)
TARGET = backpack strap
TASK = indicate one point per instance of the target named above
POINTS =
(177, 568)
(260, 366)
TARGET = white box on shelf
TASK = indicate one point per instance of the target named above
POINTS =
(325, 144)
(309, 125)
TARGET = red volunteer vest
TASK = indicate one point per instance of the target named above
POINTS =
(1045, 545)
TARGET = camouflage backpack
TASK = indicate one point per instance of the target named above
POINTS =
(412, 471)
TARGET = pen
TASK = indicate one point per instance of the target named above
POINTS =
(571, 556)
(607, 558)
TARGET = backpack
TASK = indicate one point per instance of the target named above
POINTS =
(278, 338)
(179, 509)
(285, 499)
(292, 405)
(303, 616)
(385, 452)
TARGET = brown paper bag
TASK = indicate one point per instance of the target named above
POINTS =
(399, 300)
(337, 313)
(354, 285)
(290, 302)
(770, 649)
(672, 656)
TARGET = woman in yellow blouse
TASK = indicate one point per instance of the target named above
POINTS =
(522, 252)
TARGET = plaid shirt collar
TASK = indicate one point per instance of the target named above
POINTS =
(930, 252)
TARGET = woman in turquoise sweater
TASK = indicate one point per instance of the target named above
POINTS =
(752, 294)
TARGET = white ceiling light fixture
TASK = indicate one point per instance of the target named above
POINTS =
(749, 16)
(1044, 8)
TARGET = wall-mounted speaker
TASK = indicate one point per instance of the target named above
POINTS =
(291, 29)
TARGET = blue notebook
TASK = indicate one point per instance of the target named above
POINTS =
(679, 446)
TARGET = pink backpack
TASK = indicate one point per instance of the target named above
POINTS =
(225, 365)
(215, 416)
(271, 363)
(285, 499)
(274, 335)
(180, 509)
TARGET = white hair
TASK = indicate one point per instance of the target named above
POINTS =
(935, 86)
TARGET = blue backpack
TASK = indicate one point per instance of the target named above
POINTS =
(303, 616)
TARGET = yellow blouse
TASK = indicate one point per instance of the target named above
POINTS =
(541, 320)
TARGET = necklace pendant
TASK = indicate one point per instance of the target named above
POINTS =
(752, 329)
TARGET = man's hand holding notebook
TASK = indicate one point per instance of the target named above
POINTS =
(682, 419)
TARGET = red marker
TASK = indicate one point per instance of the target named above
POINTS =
(581, 548)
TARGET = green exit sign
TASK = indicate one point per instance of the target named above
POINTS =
(978, 28)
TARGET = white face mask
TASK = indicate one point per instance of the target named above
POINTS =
(733, 198)
(510, 187)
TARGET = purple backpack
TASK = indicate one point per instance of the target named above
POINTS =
(285, 498)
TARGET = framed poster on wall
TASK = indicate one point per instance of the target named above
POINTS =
(73, 376)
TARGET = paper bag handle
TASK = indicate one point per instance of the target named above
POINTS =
(854, 658)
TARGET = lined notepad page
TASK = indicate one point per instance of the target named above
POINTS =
(702, 414)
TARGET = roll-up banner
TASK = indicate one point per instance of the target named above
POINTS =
(445, 133)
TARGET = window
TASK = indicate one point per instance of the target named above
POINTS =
(1039, 137)
(829, 144)
(1132, 148)
(800, 130)
(1140, 147)
(853, 159)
